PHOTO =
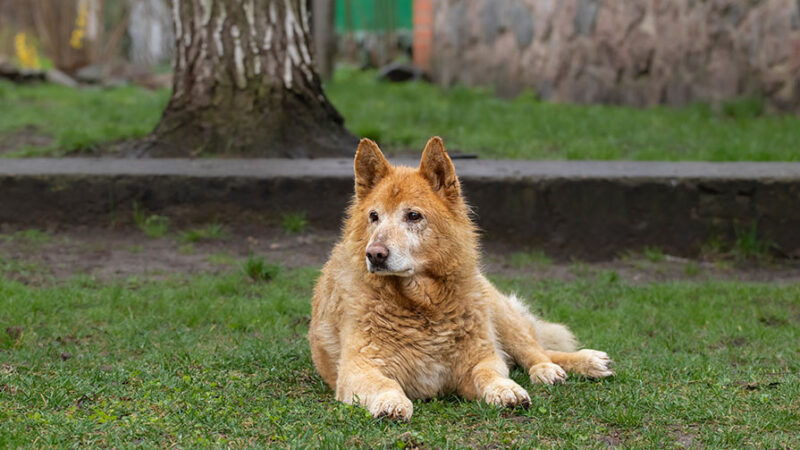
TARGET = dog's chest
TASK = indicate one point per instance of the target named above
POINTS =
(419, 351)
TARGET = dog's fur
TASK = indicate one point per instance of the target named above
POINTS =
(402, 310)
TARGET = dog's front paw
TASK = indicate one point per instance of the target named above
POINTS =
(547, 373)
(505, 392)
(597, 364)
(391, 404)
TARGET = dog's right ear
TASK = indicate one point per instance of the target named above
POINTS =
(370, 167)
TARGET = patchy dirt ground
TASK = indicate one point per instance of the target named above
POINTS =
(123, 252)
(35, 256)
(29, 136)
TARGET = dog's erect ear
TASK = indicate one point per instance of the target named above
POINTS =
(370, 167)
(438, 169)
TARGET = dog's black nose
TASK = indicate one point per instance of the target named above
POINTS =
(377, 254)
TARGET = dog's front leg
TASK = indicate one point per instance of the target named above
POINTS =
(489, 381)
(361, 382)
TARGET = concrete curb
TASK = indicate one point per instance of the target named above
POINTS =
(583, 208)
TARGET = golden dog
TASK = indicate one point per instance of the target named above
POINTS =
(402, 311)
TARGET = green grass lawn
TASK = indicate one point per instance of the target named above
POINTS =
(52, 120)
(401, 117)
(219, 360)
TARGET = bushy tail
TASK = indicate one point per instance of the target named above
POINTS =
(554, 336)
(551, 336)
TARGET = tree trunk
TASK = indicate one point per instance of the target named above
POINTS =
(244, 84)
(150, 32)
(323, 15)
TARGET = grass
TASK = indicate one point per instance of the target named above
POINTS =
(30, 236)
(580, 268)
(533, 258)
(653, 254)
(691, 269)
(152, 225)
(210, 232)
(69, 120)
(221, 259)
(187, 249)
(20, 269)
(401, 117)
(257, 269)
(294, 223)
(218, 361)
(747, 245)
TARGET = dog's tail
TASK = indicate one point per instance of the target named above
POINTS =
(554, 336)
(551, 336)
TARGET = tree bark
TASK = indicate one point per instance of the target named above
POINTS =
(244, 84)
(323, 15)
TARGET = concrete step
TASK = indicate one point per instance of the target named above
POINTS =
(588, 209)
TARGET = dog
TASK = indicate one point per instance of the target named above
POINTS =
(401, 310)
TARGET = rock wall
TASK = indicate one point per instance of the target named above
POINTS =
(635, 52)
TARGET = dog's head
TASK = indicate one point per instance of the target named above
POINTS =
(408, 221)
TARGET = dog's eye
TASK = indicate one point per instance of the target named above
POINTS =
(373, 216)
(413, 216)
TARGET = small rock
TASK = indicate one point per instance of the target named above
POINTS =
(398, 72)
(65, 356)
(115, 82)
(90, 74)
(56, 76)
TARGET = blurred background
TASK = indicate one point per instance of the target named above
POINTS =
(697, 66)
(108, 41)
(635, 53)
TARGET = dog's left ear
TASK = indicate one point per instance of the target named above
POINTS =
(438, 169)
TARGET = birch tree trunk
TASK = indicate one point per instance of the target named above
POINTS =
(244, 84)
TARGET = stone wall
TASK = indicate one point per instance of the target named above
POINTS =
(635, 52)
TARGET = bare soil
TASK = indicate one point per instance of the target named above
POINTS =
(27, 136)
(124, 251)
